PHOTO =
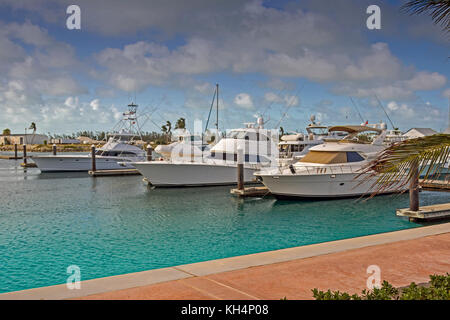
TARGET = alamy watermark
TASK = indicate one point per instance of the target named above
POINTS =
(374, 280)
(74, 280)
(374, 20)
(74, 20)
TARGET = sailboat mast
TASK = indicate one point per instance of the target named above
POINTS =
(217, 107)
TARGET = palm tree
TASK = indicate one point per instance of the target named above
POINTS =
(33, 127)
(181, 124)
(401, 163)
(438, 9)
(167, 129)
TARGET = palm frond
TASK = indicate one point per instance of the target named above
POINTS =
(438, 9)
(395, 167)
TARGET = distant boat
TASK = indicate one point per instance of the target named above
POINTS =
(293, 147)
(118, 148)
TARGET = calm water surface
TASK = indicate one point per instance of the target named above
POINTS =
(115, 225)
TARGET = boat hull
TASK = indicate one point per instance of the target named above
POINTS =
(322, 186)
(79, 163)
(169, 174)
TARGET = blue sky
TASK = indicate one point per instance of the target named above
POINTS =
(307, 57)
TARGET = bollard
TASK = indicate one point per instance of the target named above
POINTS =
(25, 153)
(15, 150)
(240, 168)
(54, 149)
(94, 168)
(149, 152)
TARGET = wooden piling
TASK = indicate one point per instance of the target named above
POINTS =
(54, 149)
(414, 189)
(25, 154)
(149, 152)
(94, 168)
(15, 150)
(240, 169)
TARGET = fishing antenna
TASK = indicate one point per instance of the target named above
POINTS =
(381, 105)
(289, 106)
(357, 110)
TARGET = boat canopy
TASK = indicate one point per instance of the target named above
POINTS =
(353, 129)
(331, 157)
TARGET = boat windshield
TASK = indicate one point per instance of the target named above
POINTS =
(331, 157)
(318, 131)
(236, 134)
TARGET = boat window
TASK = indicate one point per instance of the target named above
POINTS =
(354, 157)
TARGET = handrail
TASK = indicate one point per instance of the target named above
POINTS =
(318, 170)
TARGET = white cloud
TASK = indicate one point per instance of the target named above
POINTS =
(95, 104)
(426, 81)
(244, 100)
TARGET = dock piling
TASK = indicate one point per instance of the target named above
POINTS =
(149, 152)
(15, 150)
(25, 154)
(240, 169)
(94, 168)
(54, 149)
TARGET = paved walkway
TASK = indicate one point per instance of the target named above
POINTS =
(400, 263)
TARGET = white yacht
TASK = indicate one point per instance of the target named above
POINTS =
(118, 148)
(216, 166)
(186, 146)
(329, 170)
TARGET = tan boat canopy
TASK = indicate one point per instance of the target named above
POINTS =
(353, 129)
(330, 157)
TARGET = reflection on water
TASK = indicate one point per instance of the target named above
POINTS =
(115, 225)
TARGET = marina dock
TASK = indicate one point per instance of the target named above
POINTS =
(435, 211)
(3, 157)
(435, 185)
(251, 192)
(120, 172)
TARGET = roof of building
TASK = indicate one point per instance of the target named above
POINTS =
(424, 131)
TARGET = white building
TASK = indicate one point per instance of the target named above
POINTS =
(419, 133)
(28, 138)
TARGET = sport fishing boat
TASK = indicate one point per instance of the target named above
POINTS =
(216, 166)
(120, 147)
(329, 170)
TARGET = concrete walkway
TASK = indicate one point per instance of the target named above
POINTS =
(403, 256)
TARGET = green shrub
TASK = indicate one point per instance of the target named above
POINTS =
(438, 289)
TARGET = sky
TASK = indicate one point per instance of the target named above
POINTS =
(283, 60)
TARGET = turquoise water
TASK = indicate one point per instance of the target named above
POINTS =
(115, 225)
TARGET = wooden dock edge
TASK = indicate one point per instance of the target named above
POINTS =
(436, 211)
